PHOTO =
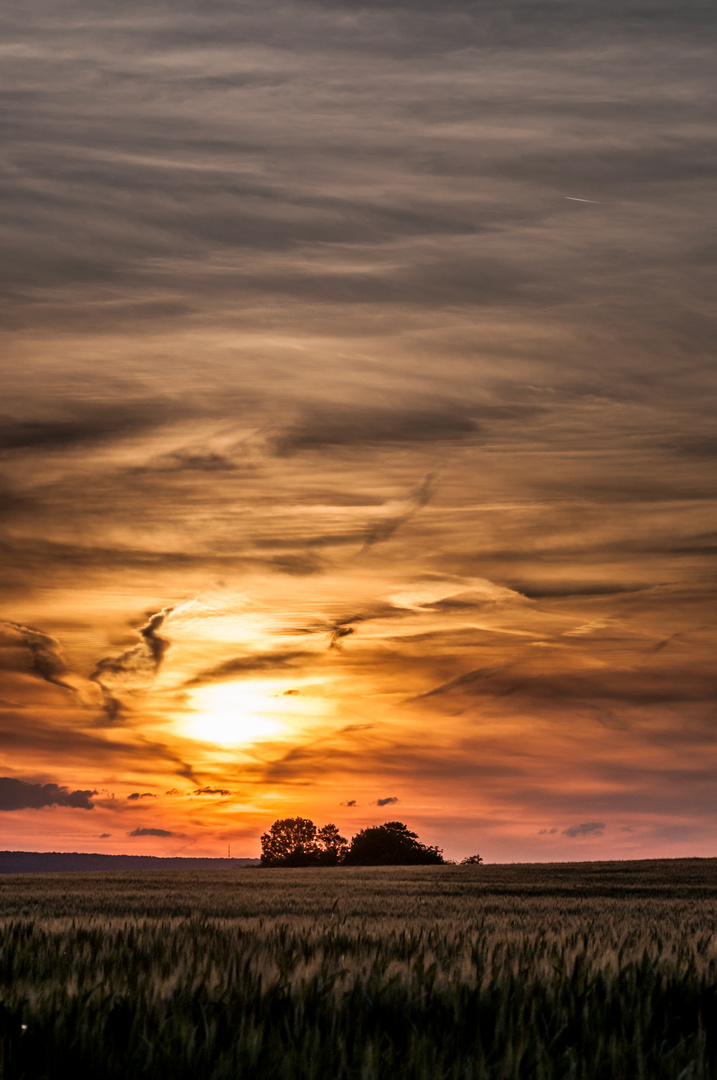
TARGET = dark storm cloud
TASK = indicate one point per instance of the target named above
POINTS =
(154, 832)
(20, 795)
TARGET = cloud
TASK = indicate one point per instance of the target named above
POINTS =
(212, 791)
(21, 795)
(196, 459)
(359, 207)
(45, 653)
(104, 835)
(357, 427)
(395, 514)
(546, 832)
(143, 795)
(299, 564)
(588, 828)
(349, 802)
(22, 732)
(134, 669)
(247, 665)
(566, 688)
(99, 422)
(343, 629)
(387, 802)
(154, 832)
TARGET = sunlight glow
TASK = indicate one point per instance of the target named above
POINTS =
(234, 713)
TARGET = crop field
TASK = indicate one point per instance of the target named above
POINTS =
(596, 970)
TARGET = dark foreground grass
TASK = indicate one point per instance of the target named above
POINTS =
(593, 971)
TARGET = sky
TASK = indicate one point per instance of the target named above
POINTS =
(357, 441)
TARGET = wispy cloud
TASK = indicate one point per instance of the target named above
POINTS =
(45, 652)
(134, 669)
(248, 665)
(397, 513)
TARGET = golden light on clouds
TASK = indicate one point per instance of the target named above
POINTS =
(357, 454)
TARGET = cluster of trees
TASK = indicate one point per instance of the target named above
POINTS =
(297, 842)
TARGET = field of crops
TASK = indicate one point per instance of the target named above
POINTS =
(430, 973)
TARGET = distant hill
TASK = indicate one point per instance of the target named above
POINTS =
(51, 862)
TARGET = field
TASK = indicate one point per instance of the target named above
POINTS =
(598, 970)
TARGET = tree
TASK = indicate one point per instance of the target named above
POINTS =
(391, 844)
(290, 842)
(471, 860)
(332, 846)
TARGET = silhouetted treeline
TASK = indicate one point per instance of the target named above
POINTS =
(297, 842)
(49, 862)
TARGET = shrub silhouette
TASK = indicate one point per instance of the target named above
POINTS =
(391, 844)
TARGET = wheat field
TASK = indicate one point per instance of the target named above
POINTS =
(598, 970)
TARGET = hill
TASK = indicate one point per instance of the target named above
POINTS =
(50, 862)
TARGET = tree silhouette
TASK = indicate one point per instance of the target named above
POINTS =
(471, 860)
(392, 844)
(290, 842)
(332, 846)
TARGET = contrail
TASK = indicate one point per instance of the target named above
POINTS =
(574, 199)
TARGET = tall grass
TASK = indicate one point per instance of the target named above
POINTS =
(421, 973)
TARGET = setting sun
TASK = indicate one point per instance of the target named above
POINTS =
(233, 713)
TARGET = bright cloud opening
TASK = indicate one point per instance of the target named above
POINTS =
(233, 713)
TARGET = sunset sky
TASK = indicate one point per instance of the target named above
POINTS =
(357, 455)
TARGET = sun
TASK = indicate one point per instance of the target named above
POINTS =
(231, 714)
